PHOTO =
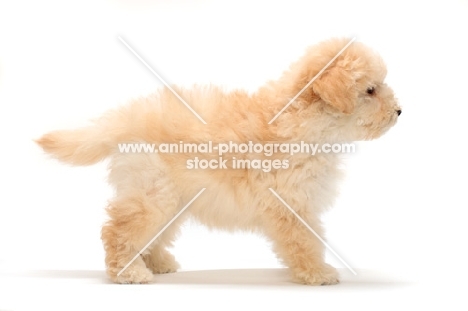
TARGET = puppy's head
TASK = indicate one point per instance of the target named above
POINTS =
(350, 93)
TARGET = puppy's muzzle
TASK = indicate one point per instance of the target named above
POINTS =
(398, 112)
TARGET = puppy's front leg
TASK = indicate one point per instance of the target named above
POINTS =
(299, 248)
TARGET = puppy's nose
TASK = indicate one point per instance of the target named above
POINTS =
(398, 111)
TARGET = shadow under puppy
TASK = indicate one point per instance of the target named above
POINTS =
(348, 102)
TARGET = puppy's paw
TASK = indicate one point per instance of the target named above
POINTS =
(132, 275)
(321, 275)
(161, 262)
(166, 266)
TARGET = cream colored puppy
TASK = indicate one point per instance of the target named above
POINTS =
(349, 101)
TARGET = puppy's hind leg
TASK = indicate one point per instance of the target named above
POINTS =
(297, 247)
(160, 260)
(146, 201)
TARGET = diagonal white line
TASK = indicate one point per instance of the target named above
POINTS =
(162, 80)
(313, 231)
(313, 79)
(160, 232)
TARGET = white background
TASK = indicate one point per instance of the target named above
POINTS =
(402, 206)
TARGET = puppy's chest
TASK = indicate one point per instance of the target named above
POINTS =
(312, 182)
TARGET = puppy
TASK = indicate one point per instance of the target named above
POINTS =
(348, 102)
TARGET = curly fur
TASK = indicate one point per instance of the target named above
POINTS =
(151, 188)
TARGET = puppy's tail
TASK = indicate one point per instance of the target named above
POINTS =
(77, 147)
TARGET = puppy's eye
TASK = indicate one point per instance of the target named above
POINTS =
(370, 90)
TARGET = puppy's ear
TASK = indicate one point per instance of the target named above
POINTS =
(337, 87)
